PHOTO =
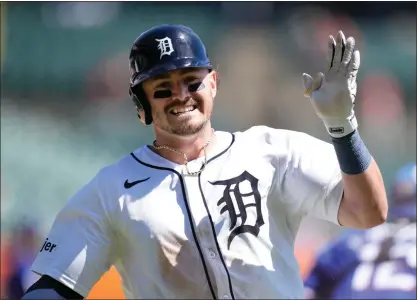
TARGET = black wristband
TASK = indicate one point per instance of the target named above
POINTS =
(352, 154)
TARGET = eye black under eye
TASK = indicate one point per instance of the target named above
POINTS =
(194, 87)
(162, 94)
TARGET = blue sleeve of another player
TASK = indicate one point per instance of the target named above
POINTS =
(330, 265)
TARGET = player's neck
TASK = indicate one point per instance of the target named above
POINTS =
(192, 146)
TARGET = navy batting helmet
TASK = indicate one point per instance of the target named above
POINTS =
(158, 50)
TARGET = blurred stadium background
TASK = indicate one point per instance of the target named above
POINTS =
(65, 110)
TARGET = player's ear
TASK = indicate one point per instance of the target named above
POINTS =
(213, 83)
(141, 115)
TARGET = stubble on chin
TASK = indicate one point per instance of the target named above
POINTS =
(186, 128)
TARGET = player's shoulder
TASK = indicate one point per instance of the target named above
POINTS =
(105, 186)
(264, 130)
(269, 134)
(118, 170)
(290, 140)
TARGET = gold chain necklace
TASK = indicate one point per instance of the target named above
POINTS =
(154, 144)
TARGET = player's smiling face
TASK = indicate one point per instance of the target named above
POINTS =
(181, 100)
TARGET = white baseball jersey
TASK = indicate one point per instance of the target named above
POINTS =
(227, 233)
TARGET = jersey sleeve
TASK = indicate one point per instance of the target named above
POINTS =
(310, 177)
(77, 250)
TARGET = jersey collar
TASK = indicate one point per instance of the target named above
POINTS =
(223, 141)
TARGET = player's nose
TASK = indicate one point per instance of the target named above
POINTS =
(181, 92)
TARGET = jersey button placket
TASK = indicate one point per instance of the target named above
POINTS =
(215, 261)
(212, 254)
(204, 232)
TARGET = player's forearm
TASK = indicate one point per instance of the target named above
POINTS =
(364, 203)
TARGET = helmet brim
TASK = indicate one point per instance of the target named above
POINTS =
(171, 66)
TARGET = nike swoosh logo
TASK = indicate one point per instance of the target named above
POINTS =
(128, 185)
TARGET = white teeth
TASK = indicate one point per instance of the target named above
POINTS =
(182, 110)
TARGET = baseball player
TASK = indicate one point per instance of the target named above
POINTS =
(380, 263)
(203, 213)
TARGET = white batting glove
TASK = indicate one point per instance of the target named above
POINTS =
(333, 94)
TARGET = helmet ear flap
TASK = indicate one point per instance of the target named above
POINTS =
(143, 107)
(141, 115)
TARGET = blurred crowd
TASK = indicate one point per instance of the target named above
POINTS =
(65, 109)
